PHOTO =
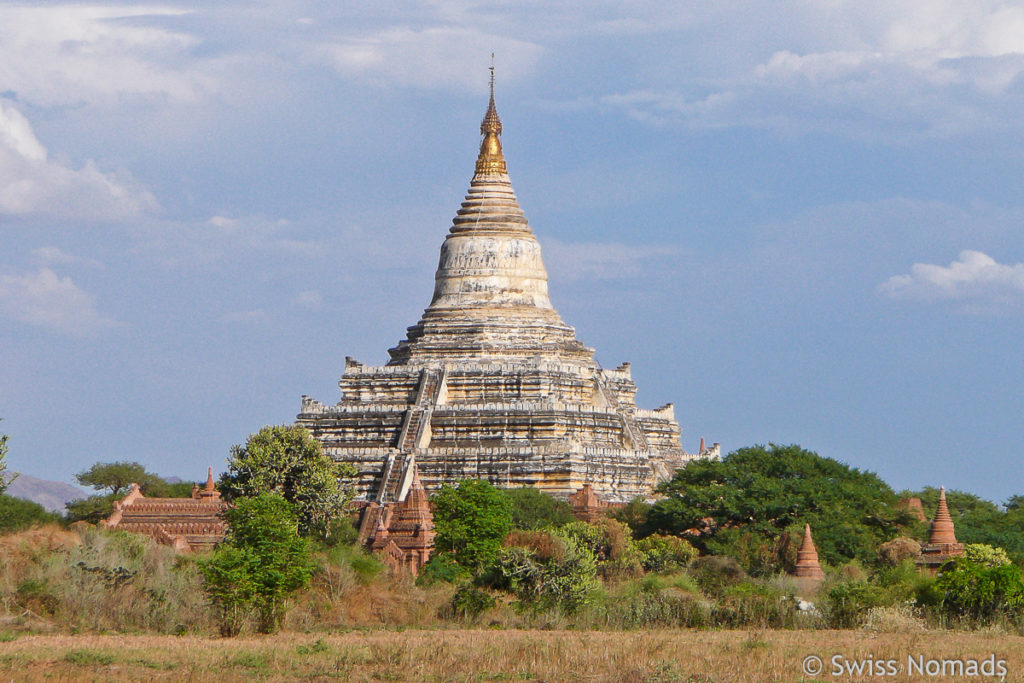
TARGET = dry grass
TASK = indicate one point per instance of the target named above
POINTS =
(698, 656)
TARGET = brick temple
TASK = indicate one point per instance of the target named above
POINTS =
(183, 523)
(491, 383)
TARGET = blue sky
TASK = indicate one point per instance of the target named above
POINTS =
(800, 221)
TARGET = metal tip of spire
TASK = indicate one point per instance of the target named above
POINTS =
(491, 160)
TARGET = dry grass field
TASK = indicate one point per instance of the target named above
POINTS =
(500, 655)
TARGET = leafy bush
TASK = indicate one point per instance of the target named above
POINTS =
(469, 602)
(981, 593)
(986, 555)
(847, 603)
(17, 514)
(533, 509)
(565, 579)
(714, 574)
(471, 521)
(611, 544)
(633, 514)
(262, 562)
(665, 553)
(441, 567)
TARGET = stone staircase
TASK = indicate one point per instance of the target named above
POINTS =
(630, 428)
(413, 433)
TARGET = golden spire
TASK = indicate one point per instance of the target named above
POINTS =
(491, 160)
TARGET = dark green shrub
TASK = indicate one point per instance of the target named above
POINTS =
(714, 574)
(633, 514)
(441, 567)
(93, 509)
(471, 521)
(534, 509)
(470, 602)
(665, 553)
(847, 603)
(981, 593)
(262, 562)
(17, 514)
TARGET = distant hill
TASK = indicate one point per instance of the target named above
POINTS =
(52, 495)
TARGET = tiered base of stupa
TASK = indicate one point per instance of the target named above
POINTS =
(554, 427)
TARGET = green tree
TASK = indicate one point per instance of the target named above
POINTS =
(260, 565)
(93, 509)
(116, 478)
(289, 461)
(533, 509)
(113, 480)
(753, 504)
(471, 521)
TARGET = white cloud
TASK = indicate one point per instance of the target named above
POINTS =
(55, 256)
(67, 54)
(447, 57)
(44, 299)
(604, 260)
(893, 70)
(32, 183)
(975, 279)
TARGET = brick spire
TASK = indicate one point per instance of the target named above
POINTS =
(210, 490)
(807, 565)
(942, 526)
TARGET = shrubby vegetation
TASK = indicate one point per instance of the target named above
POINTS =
(753, 503)
(471, 521)
(260, 565)
(532, 509)
(713, 551)
(17, 514)
(287, 460)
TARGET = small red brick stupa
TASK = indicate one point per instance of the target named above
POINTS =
(404, 532)
(807, 565)
(941, 546)
(586, 506)
(182, 523)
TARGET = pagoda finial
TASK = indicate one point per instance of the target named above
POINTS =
(491, 160)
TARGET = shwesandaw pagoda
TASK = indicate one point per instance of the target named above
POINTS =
(491, 383)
